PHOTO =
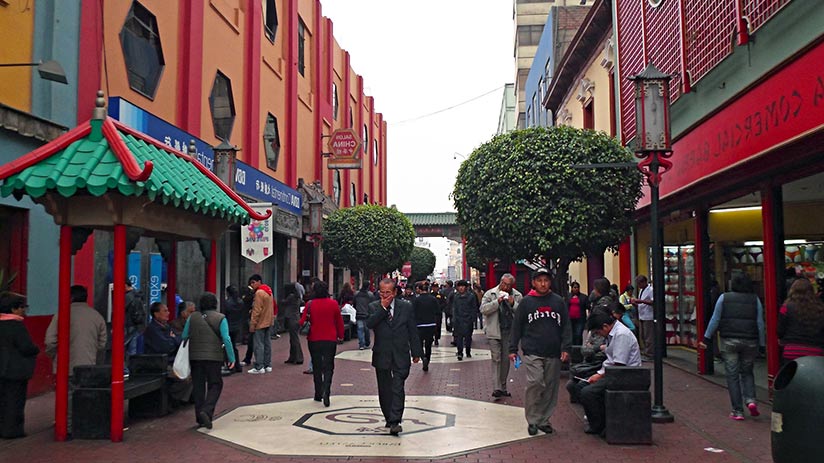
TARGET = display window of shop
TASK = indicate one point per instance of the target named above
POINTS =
(803, 208)
(14, 231)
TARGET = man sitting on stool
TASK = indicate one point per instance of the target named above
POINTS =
(622, 350)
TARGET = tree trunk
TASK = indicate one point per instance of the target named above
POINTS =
(561, 282)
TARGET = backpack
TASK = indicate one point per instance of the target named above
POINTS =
(136, 309)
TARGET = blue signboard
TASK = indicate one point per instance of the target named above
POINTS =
(155, 271)
(160, 130)
(133, 269)
(255, 184)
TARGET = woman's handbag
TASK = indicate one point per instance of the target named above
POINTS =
(304, 330)
(181, 367)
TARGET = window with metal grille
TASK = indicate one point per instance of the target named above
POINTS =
(301, 47)
(222, 105)
(271, 141)
(142, 50)
(270, 19)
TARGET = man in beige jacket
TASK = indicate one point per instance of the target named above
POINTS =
(87, 335)
(260, 324)
(498, 307)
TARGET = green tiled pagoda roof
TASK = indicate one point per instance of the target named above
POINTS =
(104, 156)
(432, 218)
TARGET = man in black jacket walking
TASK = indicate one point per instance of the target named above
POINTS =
(426, 314)
(541, 327)
(396, 334)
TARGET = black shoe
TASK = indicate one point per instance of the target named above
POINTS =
(532, 429)
(298, 363)
(505, 394)
(468, 355)
(436, 342)
(289, 361)
(497, 393)
(426, 365)
(204, 420)
(590, 430)
(547, 428)
(318, 398)
(395, 429)
(326, 400)
(460, 357)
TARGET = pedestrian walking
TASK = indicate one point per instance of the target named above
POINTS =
(208, 335)
(233, 309)
(362, 300)
(498, 306)
(396, 338)
(464, 313)
(261, 323)
(326, 330)
(739, 317)
(578, 304)
(17, 355)
(542, 330)
(426, 313)
(290, 306)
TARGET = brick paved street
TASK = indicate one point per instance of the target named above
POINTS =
(700, 408)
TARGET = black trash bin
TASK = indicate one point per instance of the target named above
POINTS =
(798, 408)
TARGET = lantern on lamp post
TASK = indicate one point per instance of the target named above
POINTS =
(653, 148)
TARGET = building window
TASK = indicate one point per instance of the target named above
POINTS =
(270, 19)
(336, 187)
(223, 106)
(142, 51)
(548, 70)
(375, 152)
(365, 141)
(351, 118)
(335, 101)
(353, 196)
(301, 47)
(271, 142)
(530, 34)
(589, 115)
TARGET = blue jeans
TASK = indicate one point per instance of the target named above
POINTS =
(363, 334)
(739, 355)
(263, 348)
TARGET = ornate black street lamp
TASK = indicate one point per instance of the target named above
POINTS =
(653, 147)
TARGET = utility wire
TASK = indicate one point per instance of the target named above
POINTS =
(448, 108)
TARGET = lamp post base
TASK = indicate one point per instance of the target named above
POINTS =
(660, 414)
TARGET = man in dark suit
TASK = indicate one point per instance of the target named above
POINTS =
(396, 333)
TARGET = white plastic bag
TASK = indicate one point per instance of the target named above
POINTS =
(181, 366)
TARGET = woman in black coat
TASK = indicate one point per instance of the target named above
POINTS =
(17, 354)
(290, 307)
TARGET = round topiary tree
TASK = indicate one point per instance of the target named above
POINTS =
(423, 263)
(368, 238)
(520, 196)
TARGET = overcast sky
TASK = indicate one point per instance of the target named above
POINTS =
(421, 57)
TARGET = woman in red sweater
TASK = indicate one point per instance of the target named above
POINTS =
(325, 332)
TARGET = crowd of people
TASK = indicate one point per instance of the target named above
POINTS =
(535, 330)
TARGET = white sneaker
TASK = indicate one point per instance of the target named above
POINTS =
(255, 371)
(268, 369)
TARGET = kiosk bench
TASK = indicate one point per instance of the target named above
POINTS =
(145, 392)
(628, 405)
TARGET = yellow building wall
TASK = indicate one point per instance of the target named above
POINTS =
(16, 45)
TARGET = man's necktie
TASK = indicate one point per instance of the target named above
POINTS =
(389, 316)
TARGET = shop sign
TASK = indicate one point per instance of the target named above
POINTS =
(255, 184)
(785, 106)
(162, 131)
(345, 147)
(256, 240)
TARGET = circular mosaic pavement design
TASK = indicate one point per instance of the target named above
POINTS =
(440, 354)
(434, 426)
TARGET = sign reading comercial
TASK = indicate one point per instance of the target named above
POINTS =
(345, 147)
(160, 130)
(256, 240)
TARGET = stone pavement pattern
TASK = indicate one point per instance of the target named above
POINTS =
(700, 409)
